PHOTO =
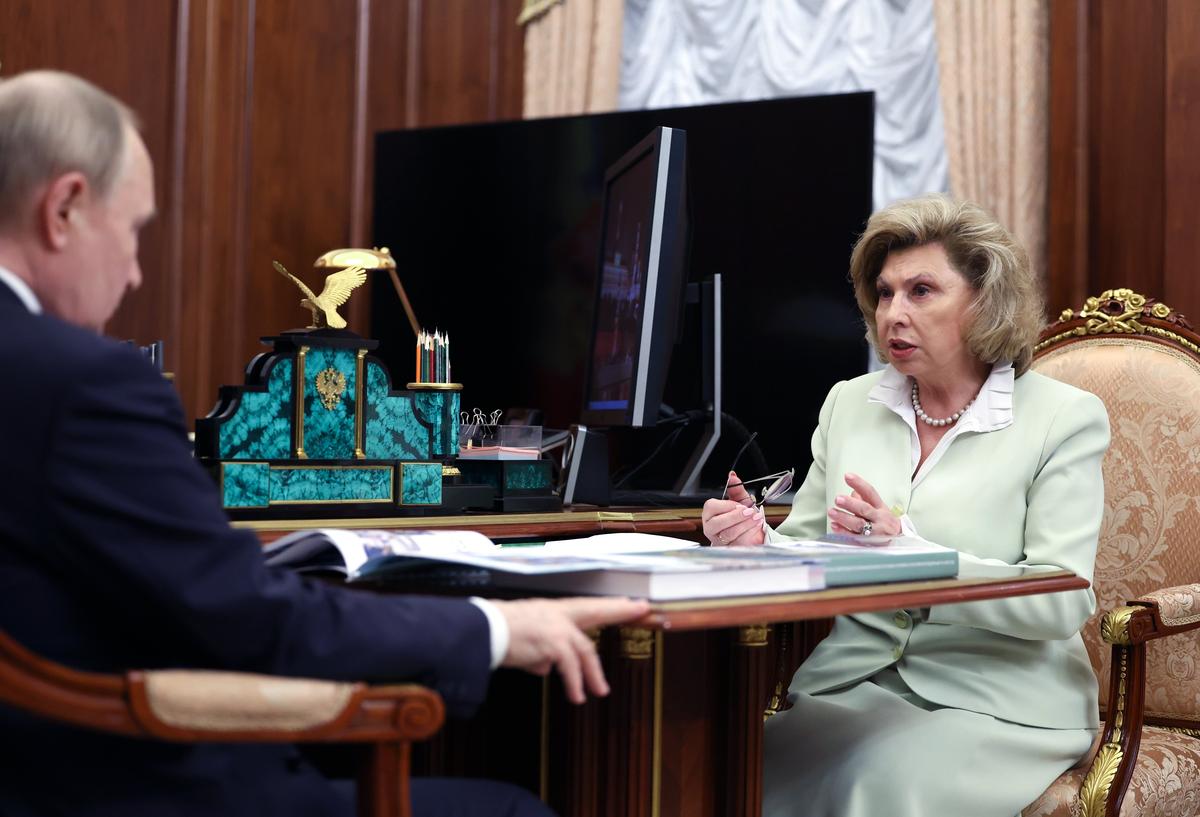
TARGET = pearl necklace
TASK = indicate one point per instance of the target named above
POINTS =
(925, 418)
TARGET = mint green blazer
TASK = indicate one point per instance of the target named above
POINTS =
(1030, 493)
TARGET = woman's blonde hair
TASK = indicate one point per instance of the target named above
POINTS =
(1007, 311)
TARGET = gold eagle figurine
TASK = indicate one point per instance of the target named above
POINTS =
(338, 286)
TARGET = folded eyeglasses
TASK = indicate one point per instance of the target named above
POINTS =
(781, 480)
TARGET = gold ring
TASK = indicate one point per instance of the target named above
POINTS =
(721, 539)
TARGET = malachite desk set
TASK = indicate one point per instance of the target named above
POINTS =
(317, 429)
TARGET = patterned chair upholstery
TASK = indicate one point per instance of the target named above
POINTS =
(1143, 361)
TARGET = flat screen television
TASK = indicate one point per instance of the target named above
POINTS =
(641, 284)
(496, 230)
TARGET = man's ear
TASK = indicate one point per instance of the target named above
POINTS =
(61, 203)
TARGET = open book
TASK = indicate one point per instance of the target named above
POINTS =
(659, 568)
(365, 554)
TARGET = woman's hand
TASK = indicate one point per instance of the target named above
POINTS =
(863, 508)
(733, 520)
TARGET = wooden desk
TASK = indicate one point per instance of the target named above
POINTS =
(681, 733)
(683, 522)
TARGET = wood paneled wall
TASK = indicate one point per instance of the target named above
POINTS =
(260, 116)
(1124, 164)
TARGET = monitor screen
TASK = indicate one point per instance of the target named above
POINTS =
(640, 282)
(496, 231)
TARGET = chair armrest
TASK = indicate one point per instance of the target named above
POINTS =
(1155, 615)
(1178, 607)
(200, 705)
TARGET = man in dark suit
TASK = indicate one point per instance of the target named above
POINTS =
(114, 550)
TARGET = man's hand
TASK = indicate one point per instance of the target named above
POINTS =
(545, 633)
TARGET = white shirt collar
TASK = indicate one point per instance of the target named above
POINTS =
(22, 291)
(991, 411)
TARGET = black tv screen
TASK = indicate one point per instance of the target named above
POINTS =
(496, 232)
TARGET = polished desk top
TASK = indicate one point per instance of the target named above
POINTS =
(705, 613)
(583, 521)
(738, 611)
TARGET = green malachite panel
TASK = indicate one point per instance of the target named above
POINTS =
(316, 484)
(392, 431)
(244, 484)
(261, 427)
(481, 472)
(440, 410)
(421, 483)
(526, 476)
(328, 433)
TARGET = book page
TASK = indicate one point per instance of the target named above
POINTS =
(603, 543)
(838, 543)
(352, 549)
(326, 549)
(419, 542)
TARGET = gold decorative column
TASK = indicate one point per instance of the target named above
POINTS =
(360, 410)
(300, 355)
(751, 690)
(632, 775)
(573, 743)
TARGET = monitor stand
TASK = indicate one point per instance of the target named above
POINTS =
(587, 480)
(708, 293)
(587, 476)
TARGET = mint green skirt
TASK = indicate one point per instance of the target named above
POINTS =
(876, 749)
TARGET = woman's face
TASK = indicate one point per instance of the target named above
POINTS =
(923, 311)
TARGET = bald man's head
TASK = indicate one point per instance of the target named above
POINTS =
(76, 186)
(50, 123)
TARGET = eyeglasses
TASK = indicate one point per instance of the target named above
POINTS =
(781, 485)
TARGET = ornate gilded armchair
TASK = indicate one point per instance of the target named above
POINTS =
(1143, 360)
(195, 706)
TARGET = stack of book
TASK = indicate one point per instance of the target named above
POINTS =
(658, 568)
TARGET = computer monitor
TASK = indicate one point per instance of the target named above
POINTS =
(640, 282)
(496, 230)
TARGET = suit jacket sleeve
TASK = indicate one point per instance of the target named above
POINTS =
(807, 519)
(1062, 526)
(139, 522)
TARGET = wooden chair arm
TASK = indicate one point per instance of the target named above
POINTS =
(1177, 609)
(88, 699)
(200, 705)
(1111, 770)
(196, 705)
(1154, 615)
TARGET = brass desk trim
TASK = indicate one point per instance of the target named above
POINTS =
(473, 521)
(737, 611)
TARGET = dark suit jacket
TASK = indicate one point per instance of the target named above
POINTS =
(115, 554)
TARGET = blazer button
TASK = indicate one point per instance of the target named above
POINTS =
(901, 619)
(896, 653)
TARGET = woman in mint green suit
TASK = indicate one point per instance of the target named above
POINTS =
(962, 709)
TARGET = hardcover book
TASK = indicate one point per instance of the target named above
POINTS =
(655, 567)
(872, 559)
